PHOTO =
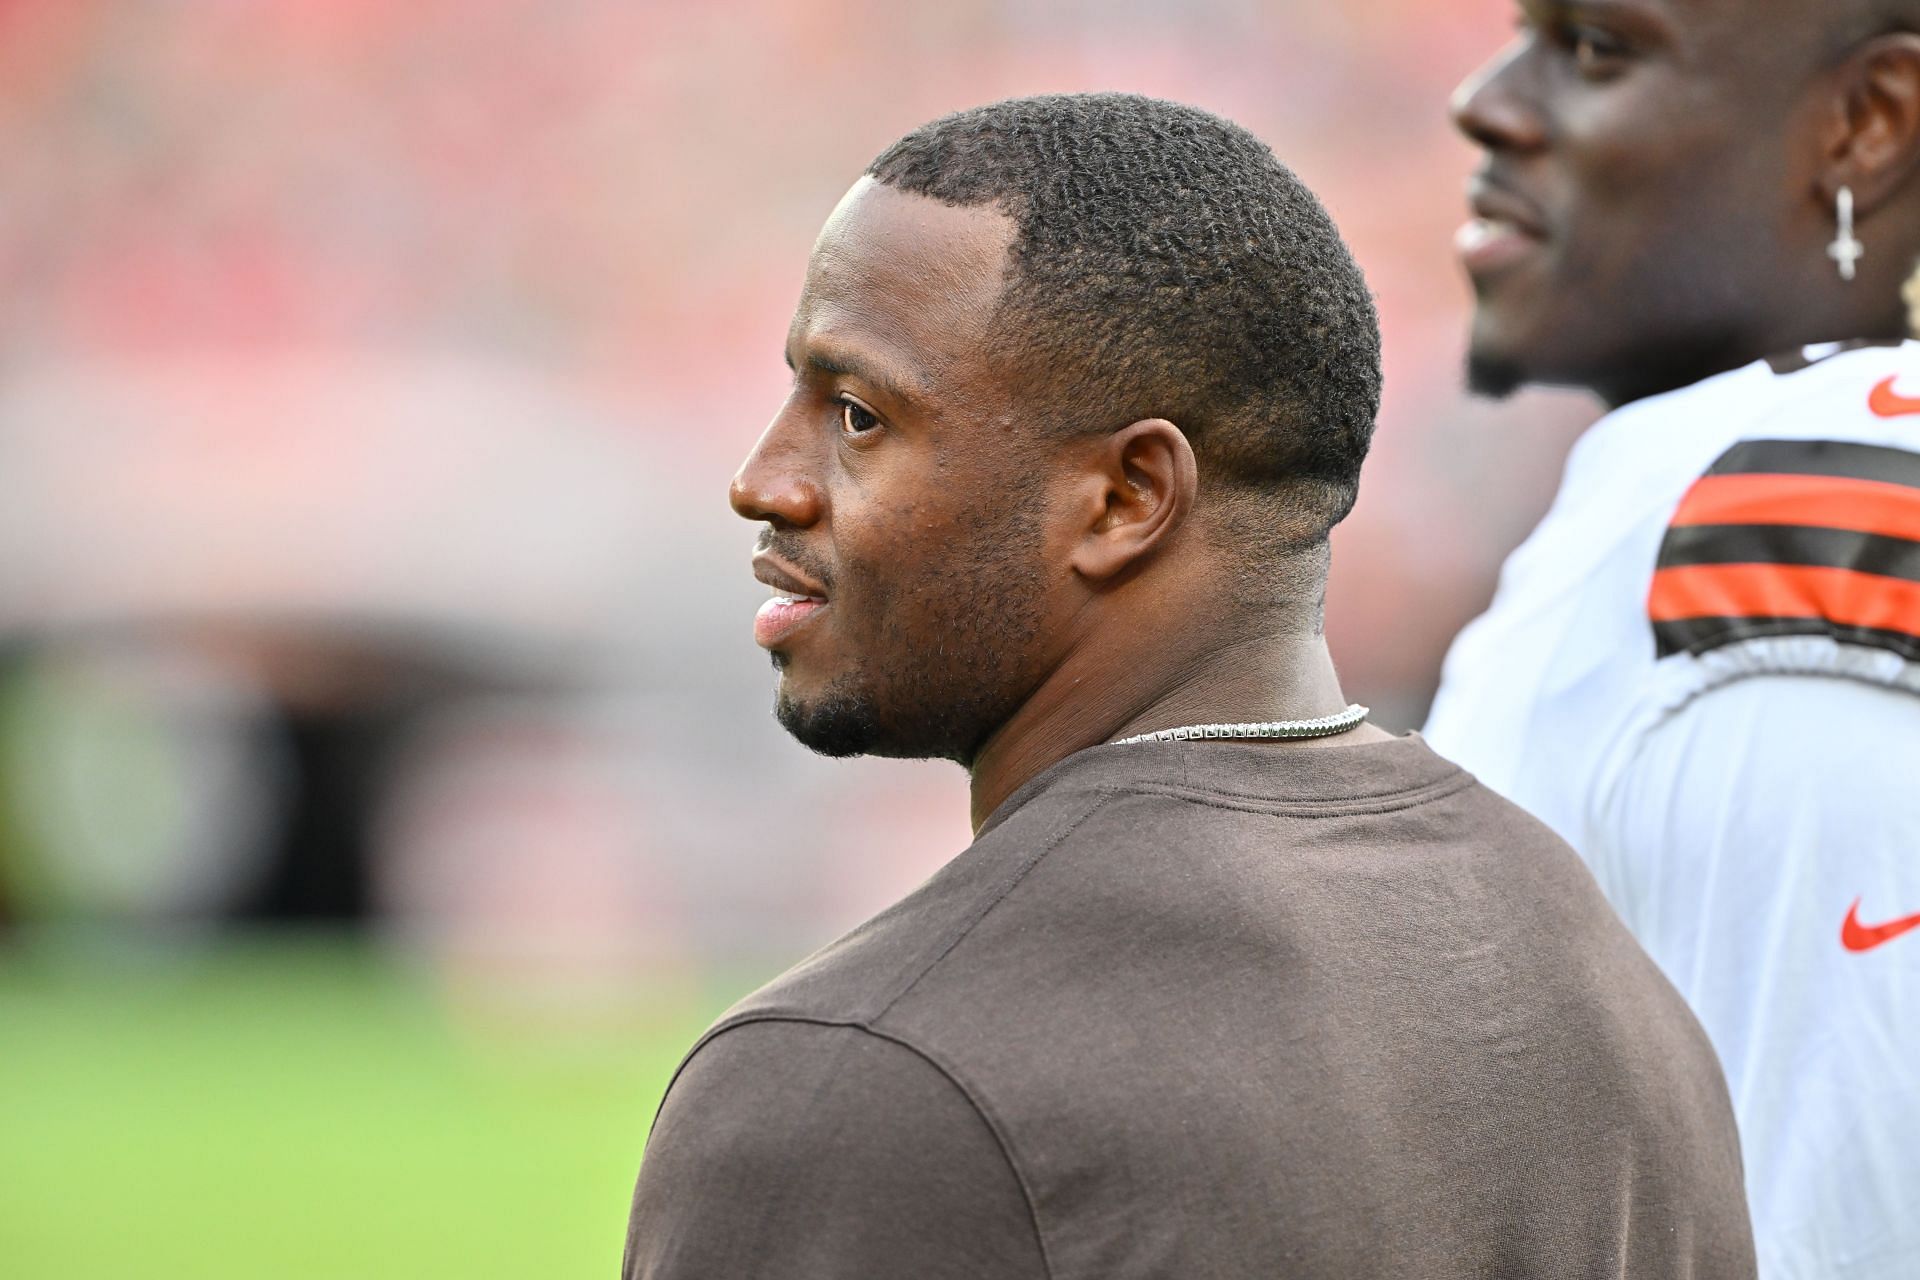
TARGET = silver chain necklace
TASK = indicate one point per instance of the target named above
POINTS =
(1319, 727)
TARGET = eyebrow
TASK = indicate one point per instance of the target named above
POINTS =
(1603, 9)
(841, 365)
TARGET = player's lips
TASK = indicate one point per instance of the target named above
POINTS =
(795, 601)
(1504, 229)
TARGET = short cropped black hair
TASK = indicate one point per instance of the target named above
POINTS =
(1166, 264)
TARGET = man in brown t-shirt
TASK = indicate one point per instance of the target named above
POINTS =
(1230, 984)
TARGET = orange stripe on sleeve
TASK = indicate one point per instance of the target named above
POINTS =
(1840, 596)
(1832, 502)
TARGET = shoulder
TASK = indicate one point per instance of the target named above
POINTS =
(1779, 787)
(795, 1078)
(856, 978)
(782, 1140)
(1864, 391)
(1851, 387)
(1763, 754)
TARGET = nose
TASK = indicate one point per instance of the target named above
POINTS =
(1495, 108)
(774, 483)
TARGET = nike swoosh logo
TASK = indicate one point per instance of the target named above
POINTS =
(1888, 403)
(1855, 936)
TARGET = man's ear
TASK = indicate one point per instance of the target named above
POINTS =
(1138, 487)
(1873, 141)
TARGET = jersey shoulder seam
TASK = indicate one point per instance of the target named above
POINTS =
(973, 1099)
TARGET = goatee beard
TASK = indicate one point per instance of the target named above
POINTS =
(1494, 377)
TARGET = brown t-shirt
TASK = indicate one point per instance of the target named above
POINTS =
(1213, 1009)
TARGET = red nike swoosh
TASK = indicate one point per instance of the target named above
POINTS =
(1888, 403)
(1855, 936)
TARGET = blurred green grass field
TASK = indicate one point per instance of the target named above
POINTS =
(313, 1110)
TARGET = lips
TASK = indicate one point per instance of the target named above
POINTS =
(795, 602)
(1505, 228)
(781, 616)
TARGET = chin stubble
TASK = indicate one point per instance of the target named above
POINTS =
(1493, 377)
(937, 690)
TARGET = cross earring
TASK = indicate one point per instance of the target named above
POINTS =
(1846, 248)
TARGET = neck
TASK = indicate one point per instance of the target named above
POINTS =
(1110, 688)
(1886, 321)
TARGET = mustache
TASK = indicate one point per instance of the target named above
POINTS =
(788, 547)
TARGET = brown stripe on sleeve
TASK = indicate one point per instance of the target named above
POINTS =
(1813, 548)
(1841, 458)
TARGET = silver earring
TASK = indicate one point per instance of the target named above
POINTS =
(1846, 248)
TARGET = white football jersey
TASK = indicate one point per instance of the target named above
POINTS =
(1703, 670)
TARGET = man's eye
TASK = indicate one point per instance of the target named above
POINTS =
(1594, 52)
(855, 420)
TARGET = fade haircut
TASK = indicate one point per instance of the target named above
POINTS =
(1166, 265)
